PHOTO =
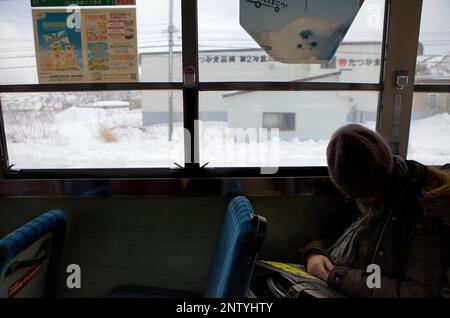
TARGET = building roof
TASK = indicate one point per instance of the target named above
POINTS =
(305, 79)
(207, 49)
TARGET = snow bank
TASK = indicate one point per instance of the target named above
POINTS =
(430, 140)
(108, 104)
(71, 138)
(75, 142)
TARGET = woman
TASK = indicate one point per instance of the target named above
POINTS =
(401, 225)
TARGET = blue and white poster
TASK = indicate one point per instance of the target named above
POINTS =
(86, 45)
(59, 48)
(299, 31)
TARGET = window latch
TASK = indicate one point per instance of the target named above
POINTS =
(189, 77)
(401, 79)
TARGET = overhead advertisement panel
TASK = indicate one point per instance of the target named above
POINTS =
(299, 31)
(85, 45)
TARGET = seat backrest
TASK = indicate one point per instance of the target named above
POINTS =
(30, 257)
(240, 240)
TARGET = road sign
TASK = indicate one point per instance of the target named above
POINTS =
(299, 31)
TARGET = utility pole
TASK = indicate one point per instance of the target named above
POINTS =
(171, 31)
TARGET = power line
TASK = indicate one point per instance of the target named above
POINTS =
(218, 19)
(16, 57)
(17, 67)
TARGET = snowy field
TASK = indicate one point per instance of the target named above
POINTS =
(89, 138)
(430, 140)
(115, 138)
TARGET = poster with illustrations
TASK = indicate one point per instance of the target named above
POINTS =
(110, 37)
(95, 45)
(59, 49)
(299, 31)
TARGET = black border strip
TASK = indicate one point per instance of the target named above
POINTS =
(287, 86)
(203, 86)
(431, 88)
(4, 159)
(163, 173)
(189, 20)
(387, 12)
(37, 88)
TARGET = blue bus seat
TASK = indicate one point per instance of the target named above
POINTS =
(240, 239)
(30, 257)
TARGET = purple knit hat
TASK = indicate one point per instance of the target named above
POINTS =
(360, 162)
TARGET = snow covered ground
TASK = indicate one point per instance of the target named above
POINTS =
(430, 140)
(116, 138)
(90, 138)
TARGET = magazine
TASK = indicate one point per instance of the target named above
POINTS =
(302, 282)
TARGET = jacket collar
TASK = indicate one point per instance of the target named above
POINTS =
(408, 176)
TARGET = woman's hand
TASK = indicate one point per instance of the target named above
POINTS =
(319, 266)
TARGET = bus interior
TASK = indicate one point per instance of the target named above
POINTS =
(187, 156)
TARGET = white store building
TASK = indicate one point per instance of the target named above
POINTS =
(302, 115)
(296, 114)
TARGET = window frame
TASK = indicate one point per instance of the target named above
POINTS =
(190, 53)
(415, 22)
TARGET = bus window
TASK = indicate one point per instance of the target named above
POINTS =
(118, 129)
(252, 129)
(228, 53)
(430, 119)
